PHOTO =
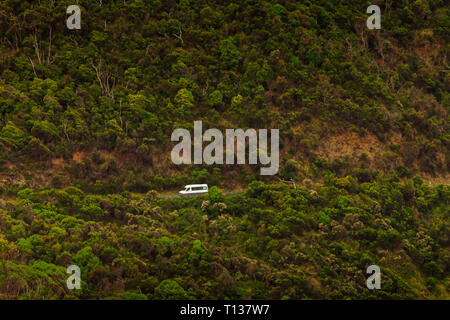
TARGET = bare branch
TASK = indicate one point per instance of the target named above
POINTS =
(34, 69)
(36, 47)
(103, 77)
(49, 46)
(179, 36)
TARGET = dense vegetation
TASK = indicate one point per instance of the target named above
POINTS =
(85, 123)
(274, 241)
(102, 102)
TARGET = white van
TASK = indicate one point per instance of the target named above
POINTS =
(194, 189)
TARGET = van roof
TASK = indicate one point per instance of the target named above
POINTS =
(195, 185)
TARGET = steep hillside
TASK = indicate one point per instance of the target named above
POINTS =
(272, 242)
(86, 118)
(100, 103)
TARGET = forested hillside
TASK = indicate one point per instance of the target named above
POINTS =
(86, 118)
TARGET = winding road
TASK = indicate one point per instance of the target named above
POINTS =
(176, 195)
(170, 196)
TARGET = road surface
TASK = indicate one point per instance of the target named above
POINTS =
(176, 195)
(170, 196)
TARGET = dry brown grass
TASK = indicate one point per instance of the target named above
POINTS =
(78, 156)
(351, 145)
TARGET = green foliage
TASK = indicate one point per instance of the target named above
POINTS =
(170, 290)
(215, 99)
(26, 193)
(215, 195)
(283, 242)
(86, 260)
(229, 53)
(13, 136)
(184, 99)
(310, 69)
(85, 122)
